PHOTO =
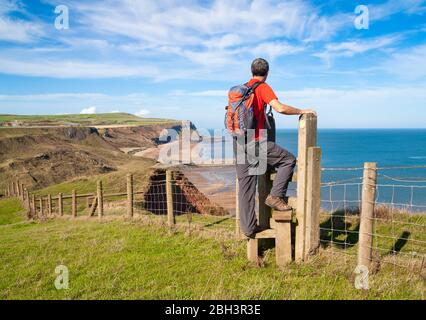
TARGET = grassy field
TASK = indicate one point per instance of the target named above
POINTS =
(141, 259)
(11, 211)
(82, 119)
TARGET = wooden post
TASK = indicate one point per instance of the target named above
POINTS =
(130, 195)
(253, 250)
(313, 202)
(41, 206)
(169, 193)
(13, 189)
(365, 249)
(21, 191)
(307, 138)
(237, 208)
(49, 205)
(74, 204)
(100, 197)
(282, 225)
(17, 188)
(34, 206)
(60, 205)
(28, 202)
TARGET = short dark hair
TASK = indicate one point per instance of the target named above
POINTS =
(259, 67)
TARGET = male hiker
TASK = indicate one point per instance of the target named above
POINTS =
(277, 157)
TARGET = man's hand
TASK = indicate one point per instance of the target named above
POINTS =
(288, 110)
(308, 111)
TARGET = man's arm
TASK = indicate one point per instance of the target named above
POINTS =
(288, 110)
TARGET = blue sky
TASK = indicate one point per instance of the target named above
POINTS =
(177, 59)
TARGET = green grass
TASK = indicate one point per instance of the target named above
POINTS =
(82, 119)
(11, 211)
(143, 260)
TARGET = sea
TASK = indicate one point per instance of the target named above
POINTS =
(397, 152)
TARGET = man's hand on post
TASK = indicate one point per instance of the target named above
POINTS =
(308, 111)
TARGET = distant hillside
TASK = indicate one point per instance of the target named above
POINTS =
(41, 153)
(7, 120)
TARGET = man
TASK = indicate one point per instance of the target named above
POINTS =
(277, 158)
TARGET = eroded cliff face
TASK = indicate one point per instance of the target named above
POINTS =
(39, 157)
(142, 137)
(187, 198)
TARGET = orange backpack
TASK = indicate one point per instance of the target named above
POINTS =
(239, 115)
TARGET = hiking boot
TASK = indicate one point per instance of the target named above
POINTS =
(257, 229)
(277, 203)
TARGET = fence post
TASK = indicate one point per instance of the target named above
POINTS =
(18, 188)
(130, 195)
(41, 206)
(28, 203)
(237, 208)
(313, 201)
(74, 204)
(100, 199)
(307, 138)
(60, 205)
(49, 204)
(34, 206)
(365, 249)
(169, 195)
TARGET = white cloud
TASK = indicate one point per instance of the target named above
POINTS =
(276, 49)
(142, 113)
(37, 66)
(407, 64)
(356, 47)
(387, 9)
(89, 110)
(14, 29)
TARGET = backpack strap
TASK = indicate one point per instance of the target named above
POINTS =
(254, 87)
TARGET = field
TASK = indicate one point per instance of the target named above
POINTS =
(81, 119)
(142, 259)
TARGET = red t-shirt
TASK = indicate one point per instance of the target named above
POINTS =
(262, 95)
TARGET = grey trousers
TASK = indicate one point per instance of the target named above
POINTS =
(277, 158)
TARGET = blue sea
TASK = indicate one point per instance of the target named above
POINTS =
(350, 148)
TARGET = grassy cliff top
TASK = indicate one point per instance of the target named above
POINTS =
(79, 119)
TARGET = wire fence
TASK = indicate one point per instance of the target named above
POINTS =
(398, 222)
(207, 199)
